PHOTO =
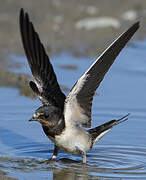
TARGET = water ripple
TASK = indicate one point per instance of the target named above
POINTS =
(104, 161)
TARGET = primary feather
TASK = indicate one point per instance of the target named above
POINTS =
(45, 83)
(61, 118)
(78, 104)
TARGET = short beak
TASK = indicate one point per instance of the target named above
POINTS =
(33, 119)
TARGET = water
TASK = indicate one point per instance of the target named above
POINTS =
(121, 154)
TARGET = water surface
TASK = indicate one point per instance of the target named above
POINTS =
(121, 154)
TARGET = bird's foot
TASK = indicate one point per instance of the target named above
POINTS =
(83, 154)
(53, 158)
(44, 161)
(47, 161)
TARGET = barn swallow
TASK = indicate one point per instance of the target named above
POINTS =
(64, 119)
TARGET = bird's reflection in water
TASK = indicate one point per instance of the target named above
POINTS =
(71, 174)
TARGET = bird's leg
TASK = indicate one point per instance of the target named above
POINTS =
(84, 159)
(83, 154)
(56, 149)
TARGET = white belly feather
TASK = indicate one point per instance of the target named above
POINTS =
(73, 139)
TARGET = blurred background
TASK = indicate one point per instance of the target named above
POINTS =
(81, 27)
(74, 33)
(78, 27)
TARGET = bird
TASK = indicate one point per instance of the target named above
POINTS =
(66, 120)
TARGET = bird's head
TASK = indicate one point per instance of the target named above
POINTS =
(43, 115)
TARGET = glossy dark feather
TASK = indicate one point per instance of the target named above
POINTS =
(45, 83)
(62, 123)
(97, 132)
(78, 104)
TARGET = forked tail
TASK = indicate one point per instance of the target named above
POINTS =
(98, 132)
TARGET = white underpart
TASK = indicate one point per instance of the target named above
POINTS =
(101, 135)
(74, 139)
(73, 112)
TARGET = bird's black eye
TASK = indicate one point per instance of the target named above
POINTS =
(41, 117)
(46, 115)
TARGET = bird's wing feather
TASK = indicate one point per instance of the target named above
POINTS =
(78, 104)
(45, 83)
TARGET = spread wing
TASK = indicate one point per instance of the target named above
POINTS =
(45, 83)
(78, 104)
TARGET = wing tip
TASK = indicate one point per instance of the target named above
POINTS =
(136, 25)
(21, 11)
(23, 16)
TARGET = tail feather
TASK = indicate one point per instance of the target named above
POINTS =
(98, 132)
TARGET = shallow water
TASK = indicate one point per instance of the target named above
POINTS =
(121, 154)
